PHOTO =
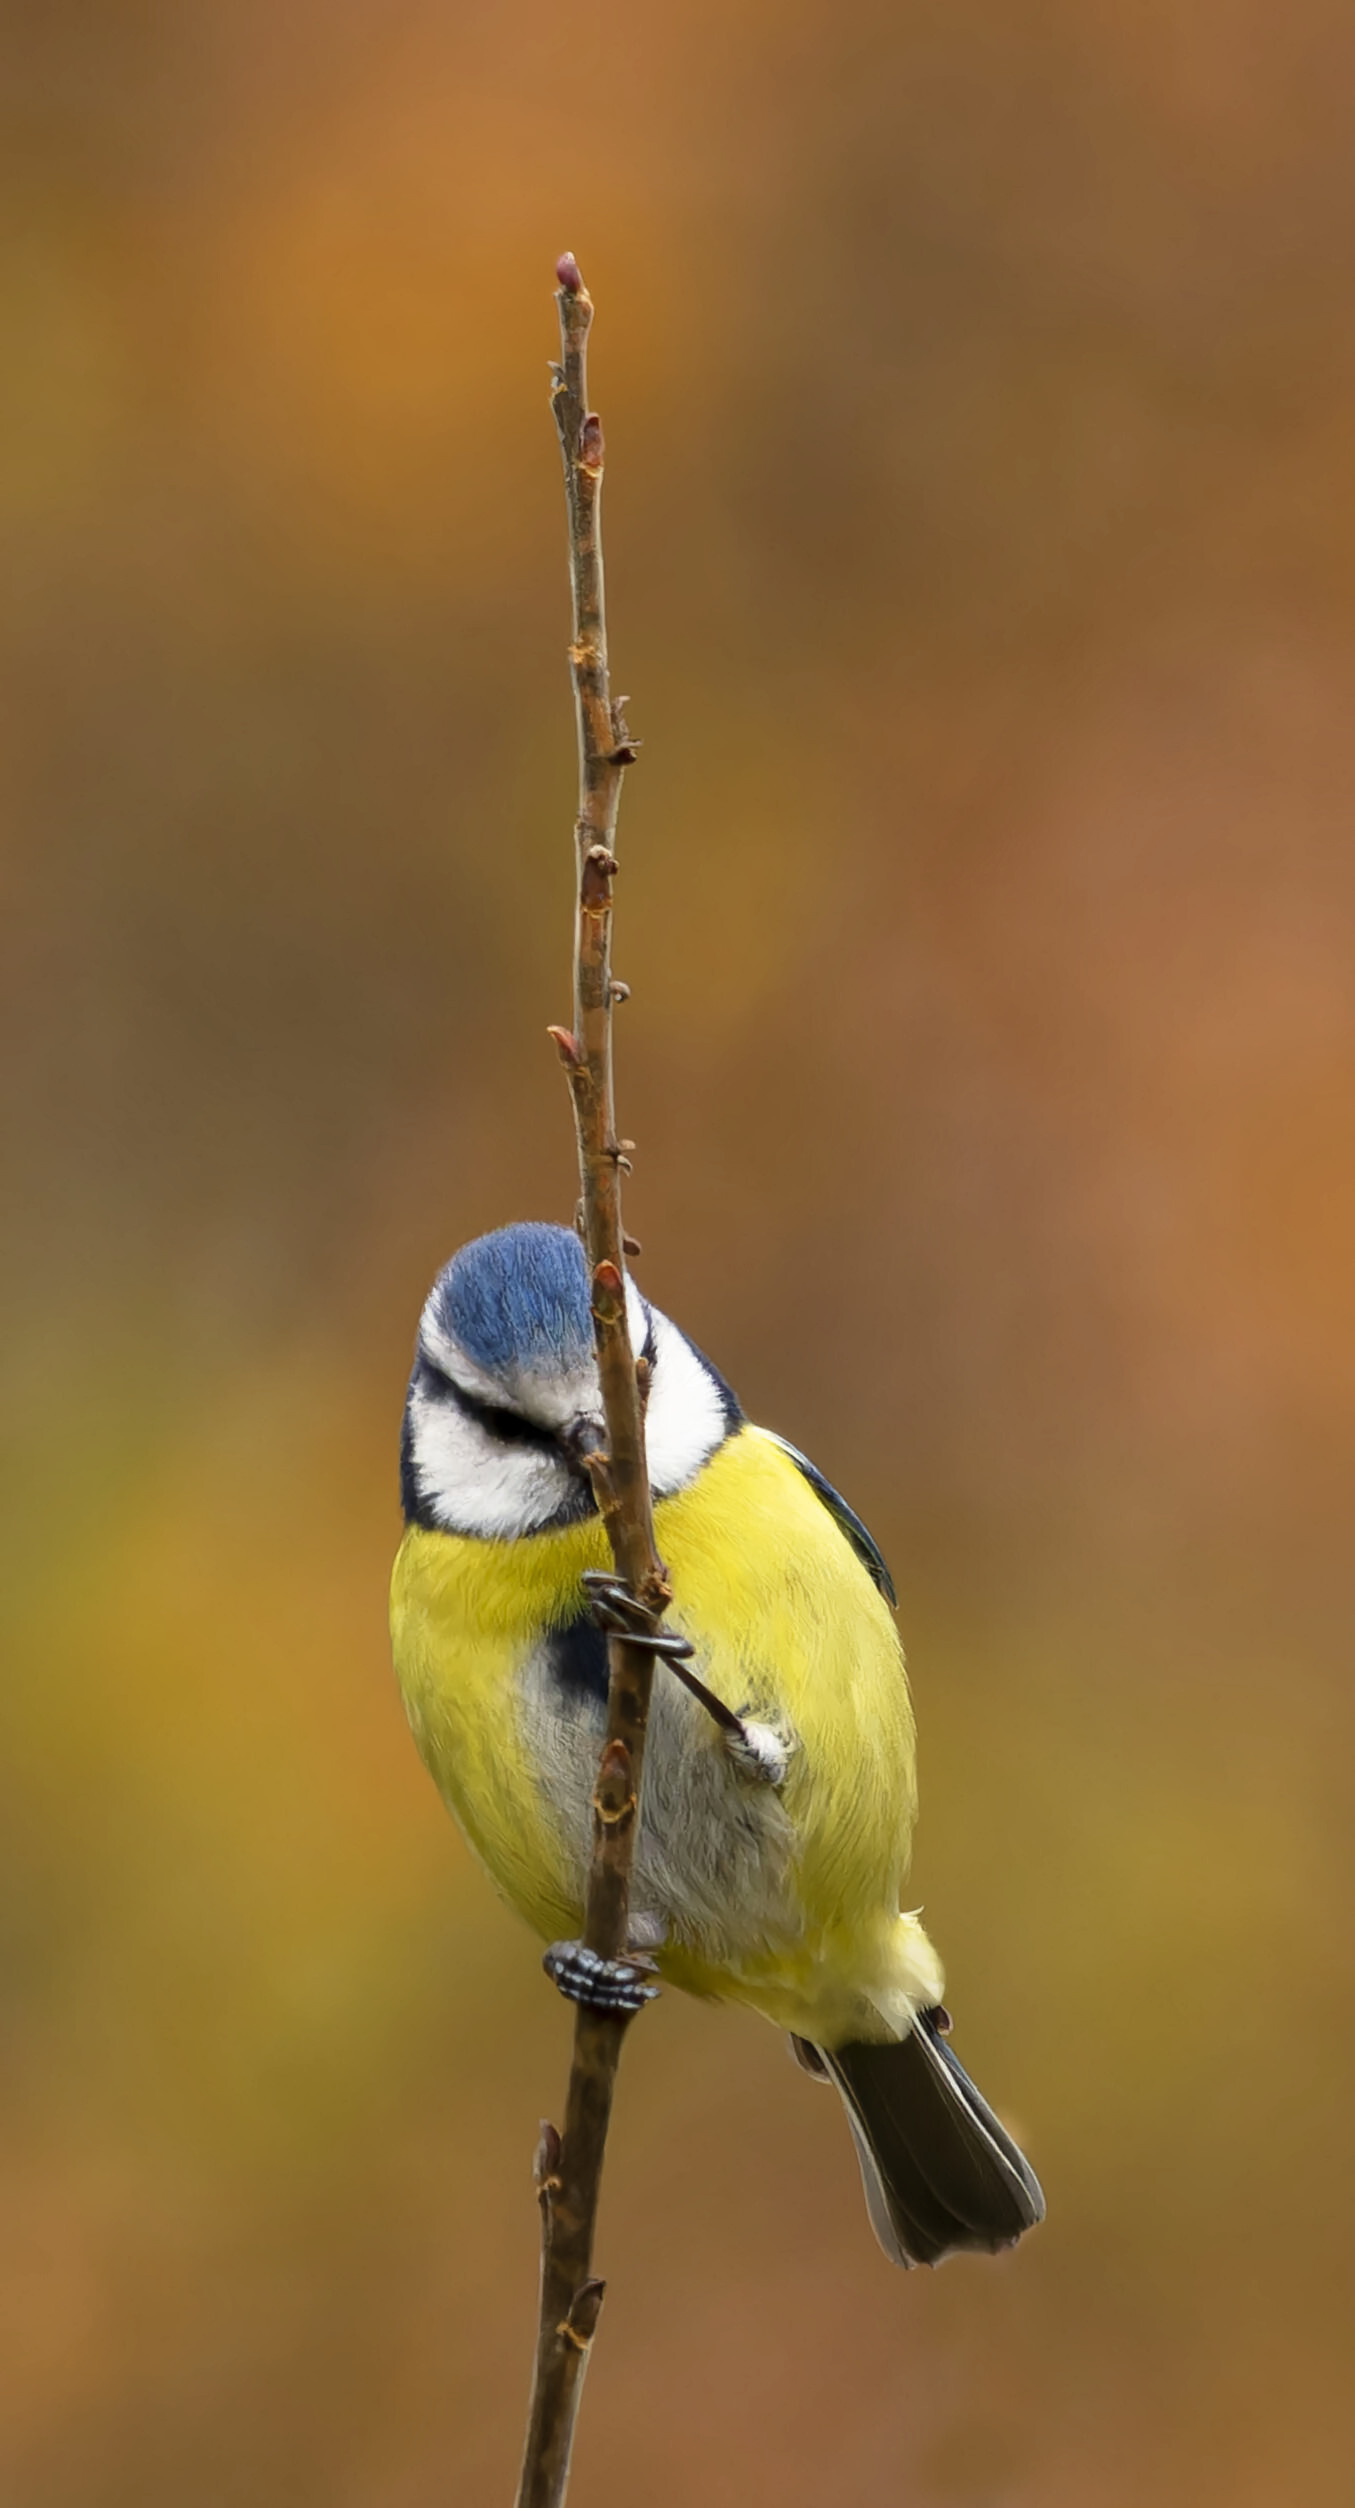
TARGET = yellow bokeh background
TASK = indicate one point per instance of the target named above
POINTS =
(979, 385)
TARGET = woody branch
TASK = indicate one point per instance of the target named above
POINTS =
(569, 2165)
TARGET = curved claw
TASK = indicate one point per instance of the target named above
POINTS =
(616, 1609)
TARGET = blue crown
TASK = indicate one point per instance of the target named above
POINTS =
(518, 1297)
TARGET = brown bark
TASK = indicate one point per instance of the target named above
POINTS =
(569, 2166)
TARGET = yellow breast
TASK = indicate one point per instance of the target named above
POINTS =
(786, 1624)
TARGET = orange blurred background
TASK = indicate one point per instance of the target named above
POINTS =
(979, 384)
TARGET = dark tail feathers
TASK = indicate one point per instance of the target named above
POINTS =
(940, 2172)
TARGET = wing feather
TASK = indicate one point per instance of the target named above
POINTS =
(848, 1523)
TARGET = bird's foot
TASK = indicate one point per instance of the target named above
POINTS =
(759, 1753)
(605, 1985)
(620, 1612)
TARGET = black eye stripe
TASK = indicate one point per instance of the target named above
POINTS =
(508, 1428)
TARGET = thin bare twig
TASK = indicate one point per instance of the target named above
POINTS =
(569, 2166)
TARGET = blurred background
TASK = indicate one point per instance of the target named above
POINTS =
(979, 384)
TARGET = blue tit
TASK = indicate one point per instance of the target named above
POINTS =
(768, 1872)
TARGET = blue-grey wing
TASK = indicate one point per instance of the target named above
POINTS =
(866, 1548)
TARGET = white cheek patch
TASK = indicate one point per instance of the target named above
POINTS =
(685, 1419)
(472, 1483)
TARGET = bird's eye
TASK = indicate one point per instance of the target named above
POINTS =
(507, 1427)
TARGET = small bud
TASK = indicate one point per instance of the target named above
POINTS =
(592, 448)
(631, 1246)
(570, 276)
(567, 1047)
(613, 1793)
(580, 2325)
(607, 1279)
(599, 870)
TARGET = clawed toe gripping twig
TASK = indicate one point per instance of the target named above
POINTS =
(605, 1985)
(619, 1611)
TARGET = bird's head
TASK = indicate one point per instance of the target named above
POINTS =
(504, 1402)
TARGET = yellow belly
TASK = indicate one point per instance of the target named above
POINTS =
(788, 1626)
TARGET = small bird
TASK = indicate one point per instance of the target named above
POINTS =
(773, 1842)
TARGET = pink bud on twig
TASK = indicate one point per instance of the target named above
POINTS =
(569, 275)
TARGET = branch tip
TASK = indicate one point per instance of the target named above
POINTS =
(569, 275)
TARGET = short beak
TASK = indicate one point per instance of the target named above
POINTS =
(585, 1436)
